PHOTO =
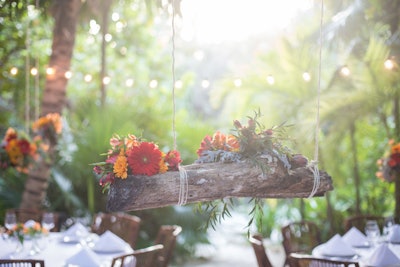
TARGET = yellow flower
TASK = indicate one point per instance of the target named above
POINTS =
(121, 165)
(163, 166)
(14, 152)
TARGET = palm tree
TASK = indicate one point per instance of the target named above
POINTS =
(65, 13)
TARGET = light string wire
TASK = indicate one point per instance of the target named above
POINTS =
(183, 180)
(315, 170)
(37, 78)
(27, 78)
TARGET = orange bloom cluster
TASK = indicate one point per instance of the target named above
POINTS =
(16, 151)
(129, 155)
(389, 165)
(219, 141)
(51, 121)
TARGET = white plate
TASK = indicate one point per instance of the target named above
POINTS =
(109, 251)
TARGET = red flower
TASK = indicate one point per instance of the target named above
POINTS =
(173, 158)
(144, 159)
(205, 145)
(24, 146)
(394, 160)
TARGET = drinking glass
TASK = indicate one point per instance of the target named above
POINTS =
(372, 232)
(48, 221)
(10, 220)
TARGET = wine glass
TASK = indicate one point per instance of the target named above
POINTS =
(48, 221)
(372, 231)
(10, 220)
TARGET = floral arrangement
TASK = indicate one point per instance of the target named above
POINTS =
(389, 165)
(29, 229)
(18, 150)
(130, 155)
(251, 141)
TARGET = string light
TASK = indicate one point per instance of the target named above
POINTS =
(205, 83)
(237, 82)
(88, 78)
(270, 79)
(34, 71)
(178, 84)
(68, 74)
(306, 76)
(129, 82)
(106, 80)
(389, 64)
(14, 71)
(345, 71)
(153, 84)
(50, 71)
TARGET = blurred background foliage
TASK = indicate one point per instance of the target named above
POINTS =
(357, 112)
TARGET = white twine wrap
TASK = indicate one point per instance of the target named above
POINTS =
(314, 164)
(183, 186)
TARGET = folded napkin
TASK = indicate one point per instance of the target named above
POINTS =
(336, 246)
(355, 238)
(75, 233)
(394, 235)
(383, 256)
(84, 258)
(109, 242)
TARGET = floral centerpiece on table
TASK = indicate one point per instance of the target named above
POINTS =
(389, 165)
(130, 155)
(30, 229)
(18, 150)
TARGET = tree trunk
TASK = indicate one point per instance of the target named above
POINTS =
(65, 13)
(356, 171)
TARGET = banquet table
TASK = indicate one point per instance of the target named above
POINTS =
(362, 253)
(56, 251)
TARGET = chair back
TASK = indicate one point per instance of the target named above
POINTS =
(259, 250)
(302, 260)
(21, 263)
(145, 257)
(124, 225)
(166, 236)
(25, 214)
(359, 221)
(300, 237)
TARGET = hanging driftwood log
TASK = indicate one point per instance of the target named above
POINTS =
(212, 181)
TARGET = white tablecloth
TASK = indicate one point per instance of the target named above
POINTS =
(362, 254)
(54, 251)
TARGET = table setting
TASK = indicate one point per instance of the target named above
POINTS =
(76, 246)
(369, 249)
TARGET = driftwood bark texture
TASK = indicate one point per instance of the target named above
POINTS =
(212, 181)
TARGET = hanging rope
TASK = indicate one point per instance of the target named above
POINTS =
(314, 166)
(183, 180)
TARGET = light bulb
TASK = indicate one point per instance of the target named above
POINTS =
(34, 71)
(14, 71)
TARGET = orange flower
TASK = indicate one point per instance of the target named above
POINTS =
(14, 152)
(10, 134)
(218, 140)
(232, 143)
(131, 141)
(121, 166)
(163, 165)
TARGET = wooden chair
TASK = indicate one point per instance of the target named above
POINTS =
(302, 260)
(300, 237)
(166, 236)
(359, 221)
(124, 225)
(259, 250)
(21, 263)
(145, 257)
